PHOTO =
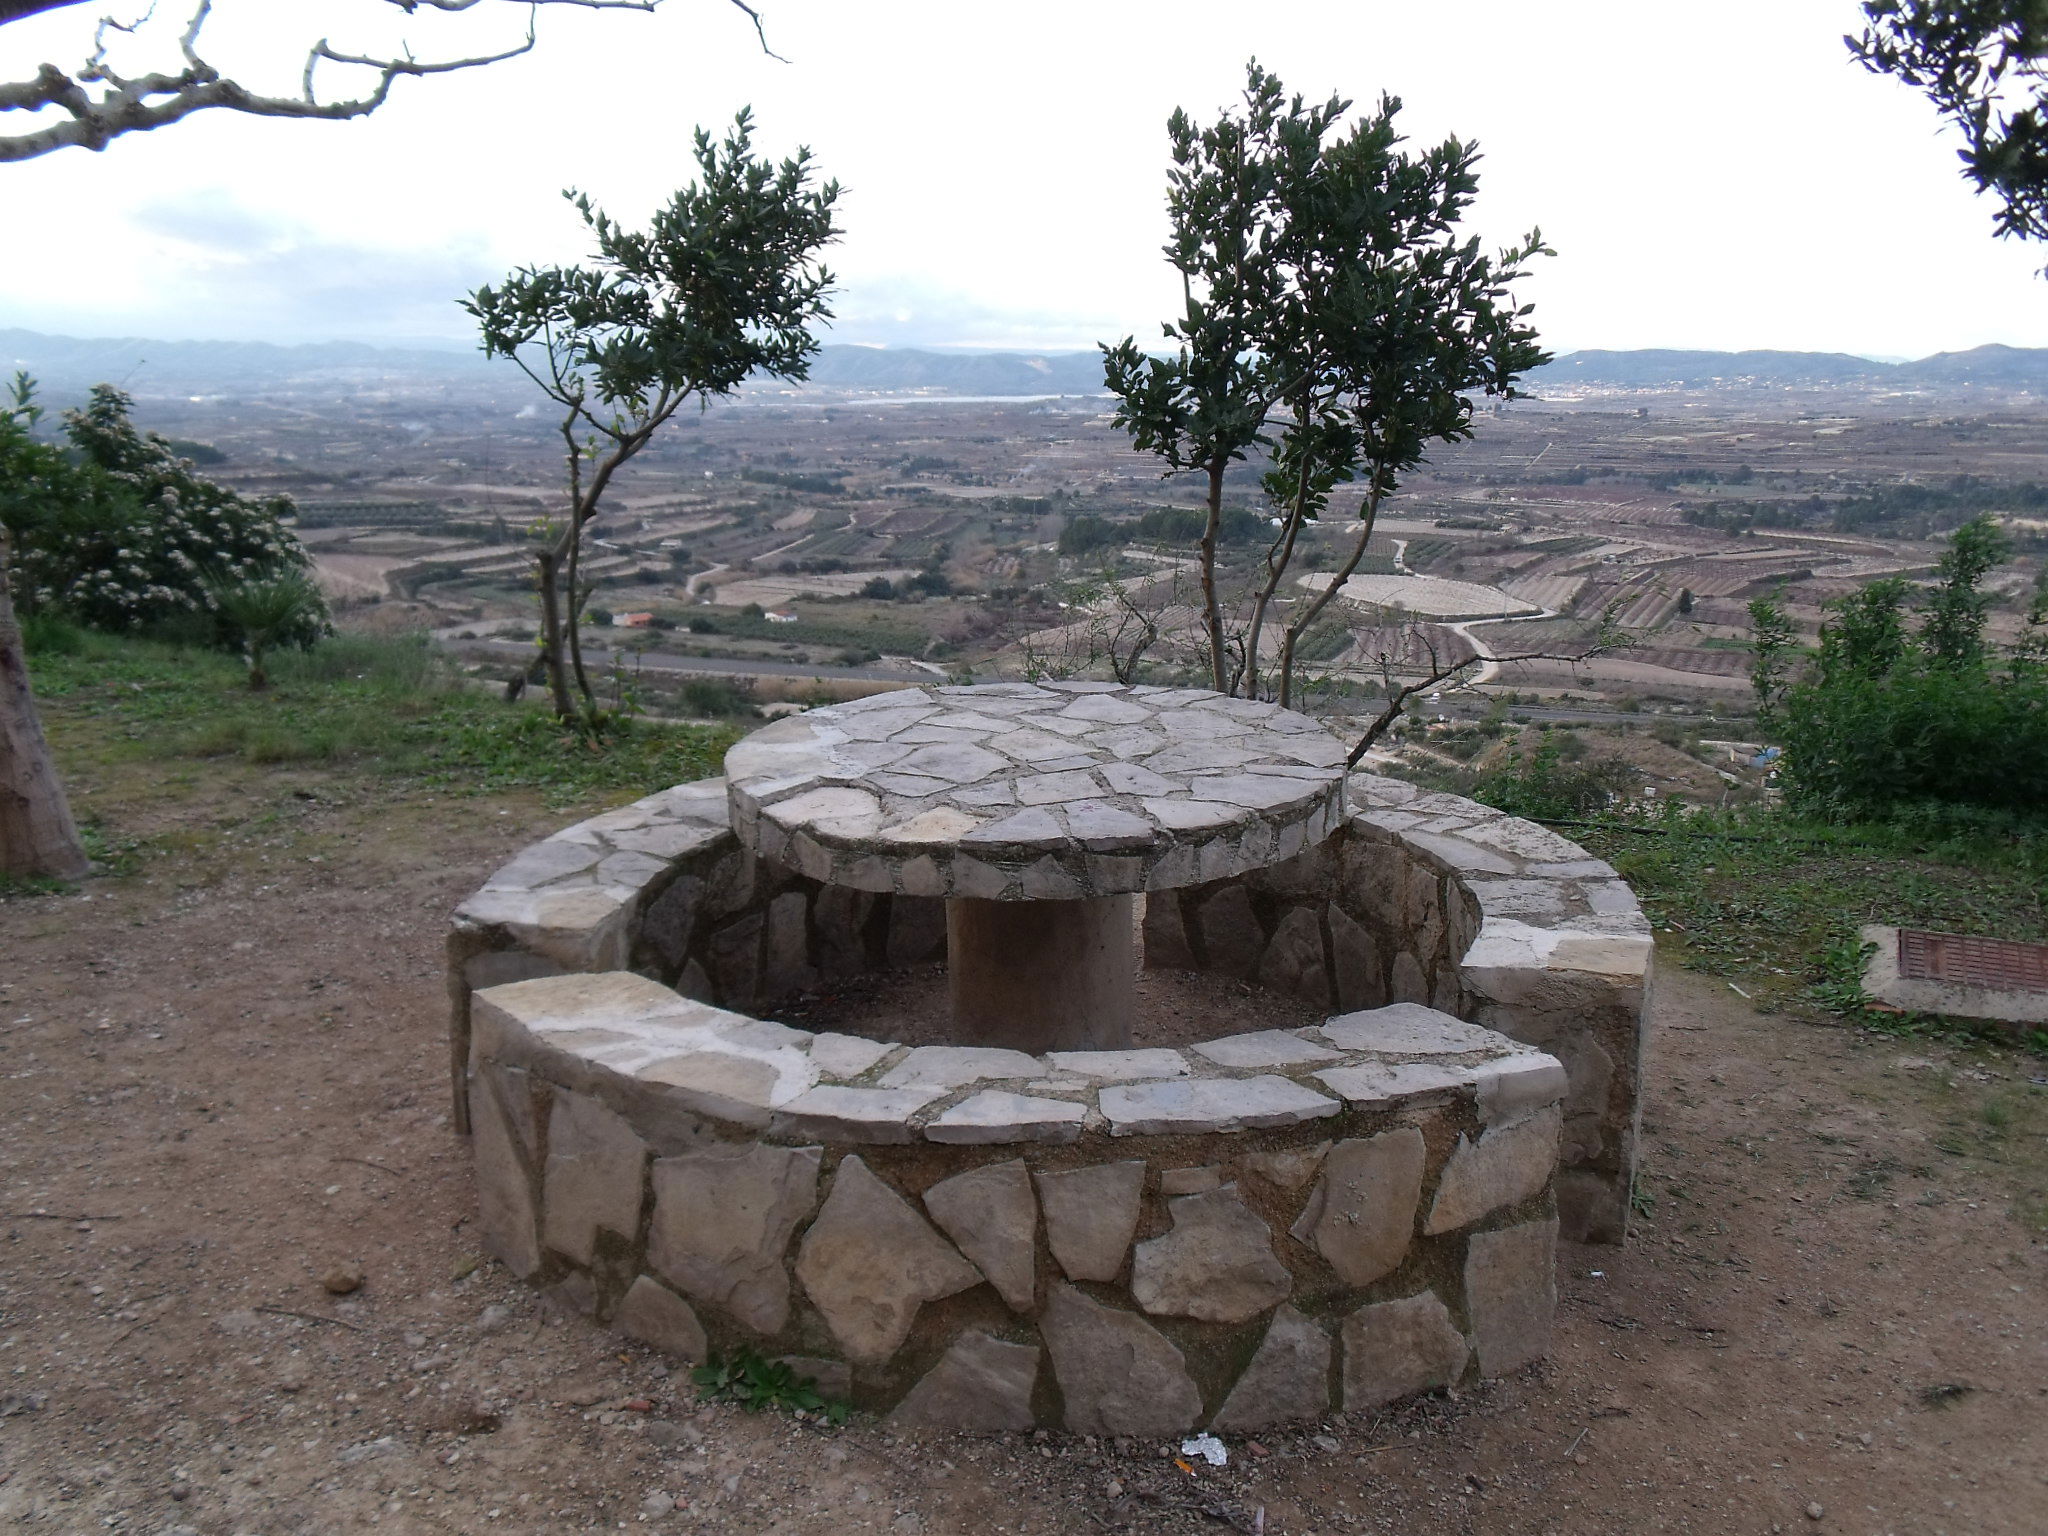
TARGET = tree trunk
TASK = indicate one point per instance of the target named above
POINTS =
(1212, 613)
(548, 569)
(38, 839)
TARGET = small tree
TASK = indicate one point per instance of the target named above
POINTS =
(265, 612)
(1332, 316)
(725, 282)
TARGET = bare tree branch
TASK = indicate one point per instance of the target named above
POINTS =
(1442, 670)
(121, 106)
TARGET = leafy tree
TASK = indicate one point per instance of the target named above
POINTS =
(1983, 64)
(724, 282)
(1333, 317)
(1890, 722)
(124, 534)
(99, 104)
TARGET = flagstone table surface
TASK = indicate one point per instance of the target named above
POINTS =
(1037, 810)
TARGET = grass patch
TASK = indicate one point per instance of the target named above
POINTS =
(1776, 901)
(385, 706)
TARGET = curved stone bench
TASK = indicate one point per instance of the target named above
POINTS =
(1238, 1233)
(1417, 898)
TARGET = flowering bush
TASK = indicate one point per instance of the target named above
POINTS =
(123, 534)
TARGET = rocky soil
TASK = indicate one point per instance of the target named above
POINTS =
(225, 1100)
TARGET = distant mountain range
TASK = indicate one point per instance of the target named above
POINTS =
(68, 365)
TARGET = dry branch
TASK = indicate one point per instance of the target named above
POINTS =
(100, 105)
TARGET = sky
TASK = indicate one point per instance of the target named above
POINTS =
(1710, 176)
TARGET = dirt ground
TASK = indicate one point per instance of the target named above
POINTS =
(223, 1078)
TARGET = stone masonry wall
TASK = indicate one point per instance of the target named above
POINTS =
(1418, 898)
(1238, 1234)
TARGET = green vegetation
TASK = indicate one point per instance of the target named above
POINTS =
(755, 1382)
(117, 531)
(1895, 723)
(391, 707)
(724, 282)
(1775, 900)
(1543, 786)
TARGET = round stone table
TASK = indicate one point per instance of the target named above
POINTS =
(1038, 811)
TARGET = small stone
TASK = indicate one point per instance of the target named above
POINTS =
(1288, 1380)
(657, 1504)
(869, 1262)
(1394, 1349)
(343, 1280)
(1362, 1215)
(1289, 1169)
(1327, 1444)
(585, 1394)
(1815, 1512)
(657, 1316)
(493, 1318)
(832, 1379)
(1216, 1264)
(1117, 1373)
(981, 1386)
(1091, 1214)
(992, 1218)
(1190, 1181)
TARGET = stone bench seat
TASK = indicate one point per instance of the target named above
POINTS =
(1267, 1224)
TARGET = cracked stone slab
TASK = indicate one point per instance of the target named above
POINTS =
(1410, 1029)
(1262, 1048)
(872, 1115)
(1196, 1106)
(1147, 775)
(955, 1066)
(869, 1262)
(1120, 1066)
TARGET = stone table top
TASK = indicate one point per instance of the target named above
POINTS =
(1035, 791)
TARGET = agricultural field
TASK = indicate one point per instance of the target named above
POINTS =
(925, 532)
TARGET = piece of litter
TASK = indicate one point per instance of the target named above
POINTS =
(1597, 1274)
(1208, 1447)
(1737, 990)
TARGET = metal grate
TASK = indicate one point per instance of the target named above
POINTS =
(1996, 964)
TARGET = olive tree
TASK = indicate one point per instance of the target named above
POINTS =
(1333, 319)
(725, 282)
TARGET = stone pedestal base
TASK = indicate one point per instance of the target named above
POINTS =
(1042, 975)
